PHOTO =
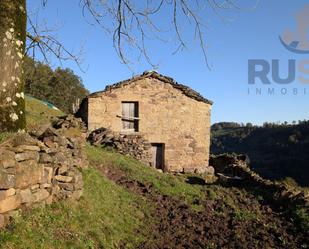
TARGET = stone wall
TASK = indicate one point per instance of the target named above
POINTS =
(127, 144)
(40, 167)
(235, 168)
(166, 116)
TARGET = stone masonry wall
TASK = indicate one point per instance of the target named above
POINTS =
(39, 168)
(166, 116)
(127, 144)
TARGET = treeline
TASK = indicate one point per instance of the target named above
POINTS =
(61, 87)
(228, 125)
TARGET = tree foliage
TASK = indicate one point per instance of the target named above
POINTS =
(60, 87)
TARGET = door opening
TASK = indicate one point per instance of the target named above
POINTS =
(158, 155)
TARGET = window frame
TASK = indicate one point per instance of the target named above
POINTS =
(127, 119)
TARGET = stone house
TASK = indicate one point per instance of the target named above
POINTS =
(174, 119)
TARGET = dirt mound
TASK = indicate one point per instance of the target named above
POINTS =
(250, 225)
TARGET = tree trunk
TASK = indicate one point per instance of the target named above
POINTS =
(13, 20)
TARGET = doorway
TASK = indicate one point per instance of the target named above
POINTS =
(157, 155)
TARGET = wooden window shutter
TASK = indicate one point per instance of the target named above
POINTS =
(130, 116)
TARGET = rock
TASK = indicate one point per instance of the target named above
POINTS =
(29, 155)
(49, 142)
(60, 158)
(26, 196)
(45, 185)
(23, 139)
(62, 169)
(22, 148)
(8, 163)
(209, 170)
(28, 173)
(45, 158)
(35, 187)
(2, 221)
(10, 171)
(66, 186)
(6, 180)
(61, 178)
(49, 200)
(7, 158)
(78, 181)
(55, 190)
(210, 179)
(40, 130)
(40, 195)
(7, 193)
(10, 203)
(47, 175)
(77, 194)
(49, 132)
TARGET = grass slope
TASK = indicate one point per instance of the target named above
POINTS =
(38, 113)
(106, 216)
(165, 184)
(109, 215)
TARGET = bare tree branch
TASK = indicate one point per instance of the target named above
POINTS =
(132, 23)
(43, 40)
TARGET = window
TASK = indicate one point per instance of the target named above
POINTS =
(130, 116)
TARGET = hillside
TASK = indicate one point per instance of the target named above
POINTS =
(60, 87)
(37, 112)
(275, 151)
(128, 205)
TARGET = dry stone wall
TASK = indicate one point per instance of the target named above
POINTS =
(40, 167)
(235, 168)
(127, 144)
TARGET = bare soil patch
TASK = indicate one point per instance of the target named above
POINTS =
(245, 222)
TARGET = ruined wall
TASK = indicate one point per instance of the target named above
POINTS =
(128, 144)
(228, 166)
(39, 168)
(166, 116)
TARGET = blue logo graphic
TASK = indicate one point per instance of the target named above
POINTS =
(298, 41)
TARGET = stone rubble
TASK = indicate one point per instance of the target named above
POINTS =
(235, 168)
(128, 144)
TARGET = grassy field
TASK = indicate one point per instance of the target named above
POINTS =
(38, 113)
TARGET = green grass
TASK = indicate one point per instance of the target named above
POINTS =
(165, 184)
(302, 217)
(106, 216)
(37, 113)
(5, 136)
(244, 215)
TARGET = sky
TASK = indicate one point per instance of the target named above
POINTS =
(232, 38)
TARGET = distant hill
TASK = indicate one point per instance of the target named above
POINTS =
(275, 151)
